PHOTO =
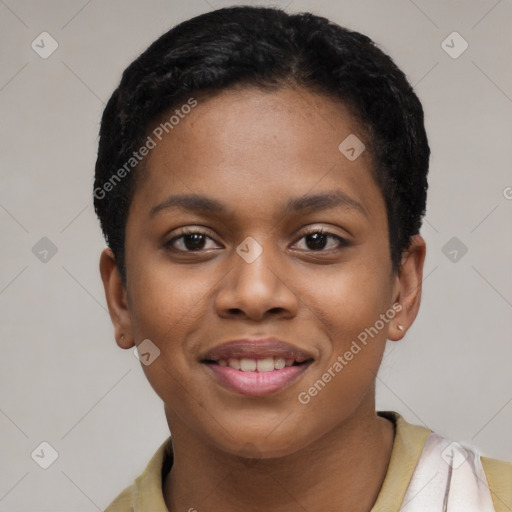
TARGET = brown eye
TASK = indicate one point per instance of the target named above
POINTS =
(193, 241)
(189, 241)
(318, 240)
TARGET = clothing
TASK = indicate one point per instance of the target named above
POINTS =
(426, 472)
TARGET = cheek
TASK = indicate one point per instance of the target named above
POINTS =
(348, 300)
(171, 305)
(166, 306)
(348, 309)
(166, 299)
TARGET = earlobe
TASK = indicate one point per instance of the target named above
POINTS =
(115, 294)
(408, 287)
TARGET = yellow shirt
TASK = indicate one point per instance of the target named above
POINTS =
(145, 493)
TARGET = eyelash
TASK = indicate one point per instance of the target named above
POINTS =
(187, 231)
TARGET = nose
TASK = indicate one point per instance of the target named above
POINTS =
(257, 289)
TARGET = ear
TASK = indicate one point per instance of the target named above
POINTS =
(407, 288)
(115, 294)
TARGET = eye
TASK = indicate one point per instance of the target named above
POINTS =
(189, 240)
(317, 240)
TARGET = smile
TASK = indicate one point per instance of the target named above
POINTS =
(268, 364)
(256, 377)
(256, 367)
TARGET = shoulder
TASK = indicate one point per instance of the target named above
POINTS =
(145, 492)
(499, 478)
(123, 502)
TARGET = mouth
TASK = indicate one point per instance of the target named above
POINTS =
(256, 367)
(263, 364)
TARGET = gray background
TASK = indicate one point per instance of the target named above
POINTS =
(62, 377)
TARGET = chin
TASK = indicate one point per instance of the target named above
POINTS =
(261, 445)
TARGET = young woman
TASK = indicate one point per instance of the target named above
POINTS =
(261, 182)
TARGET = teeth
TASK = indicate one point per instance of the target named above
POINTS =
(234, 363)
(279, 363)
(267, 364)
(247, 365)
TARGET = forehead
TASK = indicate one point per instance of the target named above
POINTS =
(244, 144)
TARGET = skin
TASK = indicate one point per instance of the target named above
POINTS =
(253, 151)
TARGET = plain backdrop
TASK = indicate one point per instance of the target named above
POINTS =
(64, 381)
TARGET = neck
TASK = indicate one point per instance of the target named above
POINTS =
(344, 469)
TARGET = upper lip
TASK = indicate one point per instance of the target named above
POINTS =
(257, 348)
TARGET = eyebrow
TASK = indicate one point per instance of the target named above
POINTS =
(308, 202)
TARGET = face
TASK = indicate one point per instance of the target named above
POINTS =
(287, 238)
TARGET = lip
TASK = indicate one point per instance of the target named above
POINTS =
(254, 383)
(257, 383)
(257, 349)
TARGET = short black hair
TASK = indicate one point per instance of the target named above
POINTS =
(269, 49)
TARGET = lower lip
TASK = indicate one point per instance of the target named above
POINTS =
(257, 383)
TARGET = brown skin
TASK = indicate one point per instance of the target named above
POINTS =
(254, 150)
